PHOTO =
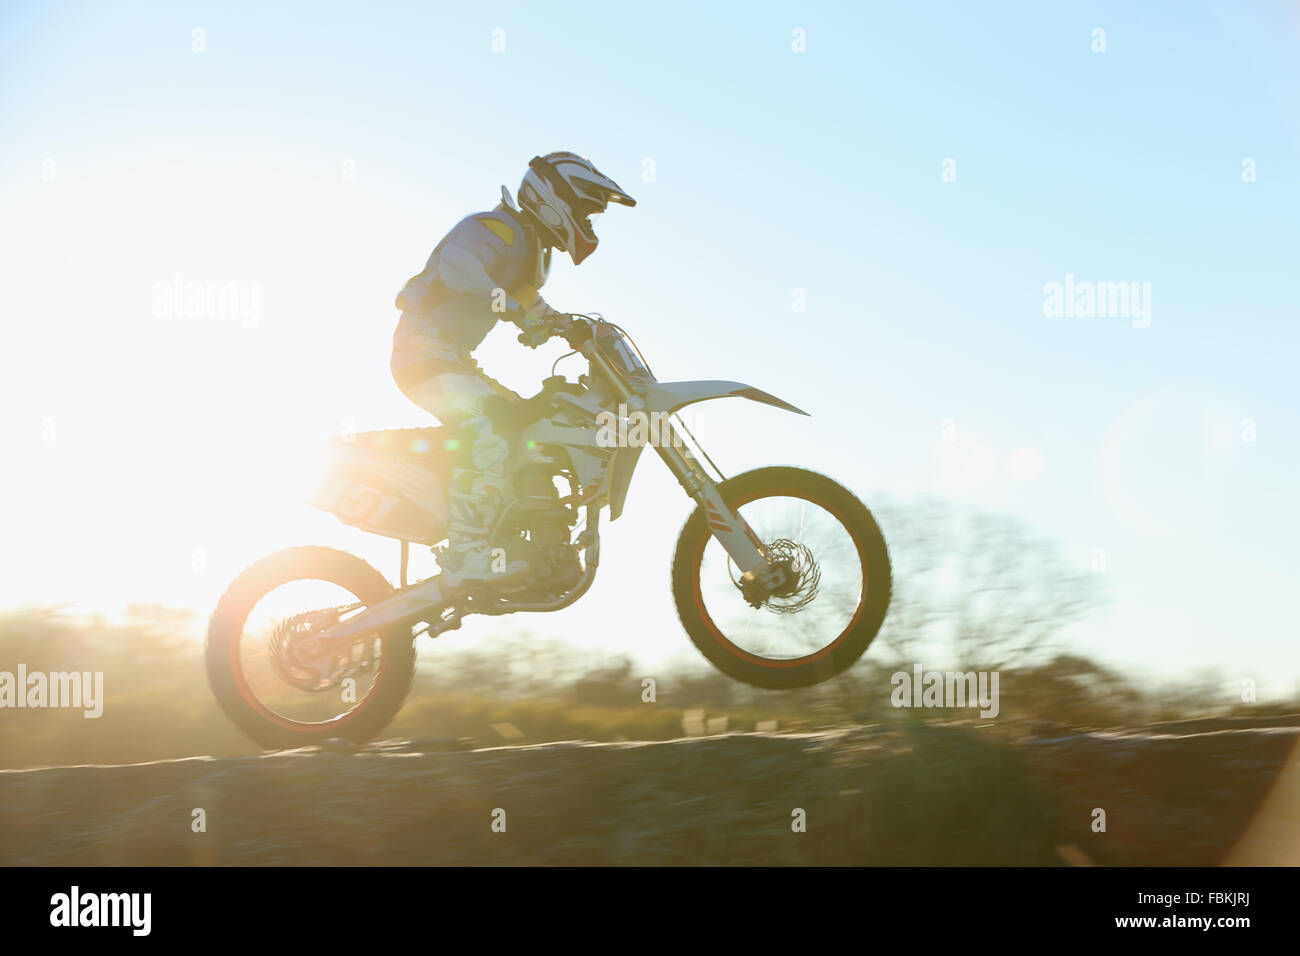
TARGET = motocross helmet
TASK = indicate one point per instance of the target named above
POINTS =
(562, 191)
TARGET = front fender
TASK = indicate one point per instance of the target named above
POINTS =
(670, 396)
(666, 398)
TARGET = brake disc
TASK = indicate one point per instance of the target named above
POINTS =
(797, 579)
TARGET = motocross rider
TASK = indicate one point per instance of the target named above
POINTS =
(490, 267)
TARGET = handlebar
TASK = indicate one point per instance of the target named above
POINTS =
(574, 329)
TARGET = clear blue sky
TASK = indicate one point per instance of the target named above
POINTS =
(134, 444)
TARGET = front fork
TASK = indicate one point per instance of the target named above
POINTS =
(759, 577)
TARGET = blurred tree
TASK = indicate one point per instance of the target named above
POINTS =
(611, 685)
(1072, 690)
(982, 586)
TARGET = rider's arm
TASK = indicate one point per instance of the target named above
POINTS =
(463, 267)
(467, 261)
(532, 316)
(466, 269)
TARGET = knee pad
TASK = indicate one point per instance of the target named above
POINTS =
(488, 450)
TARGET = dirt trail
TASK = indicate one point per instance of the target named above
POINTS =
(912, 794)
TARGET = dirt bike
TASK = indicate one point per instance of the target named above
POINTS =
(781, 577)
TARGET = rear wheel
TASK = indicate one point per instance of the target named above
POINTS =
(837, 577)
(278, 684)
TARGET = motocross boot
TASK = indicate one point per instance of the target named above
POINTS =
(469, 560)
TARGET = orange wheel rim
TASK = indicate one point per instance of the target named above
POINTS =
(716, 633)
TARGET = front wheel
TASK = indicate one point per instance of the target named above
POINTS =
(838, 572)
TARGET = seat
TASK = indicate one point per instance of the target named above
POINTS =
(407, 442)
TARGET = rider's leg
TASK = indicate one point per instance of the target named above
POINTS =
(453, 389)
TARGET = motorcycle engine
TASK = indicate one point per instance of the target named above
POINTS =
(538, 528)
